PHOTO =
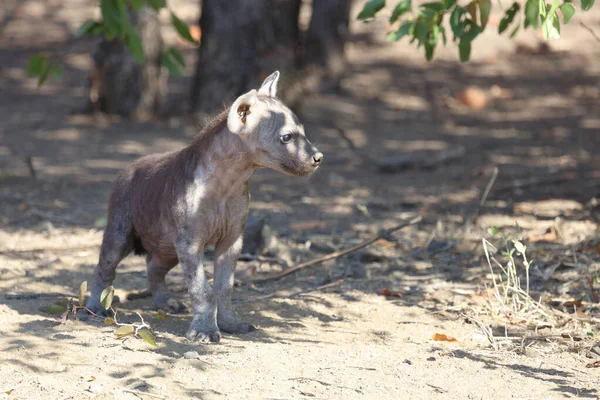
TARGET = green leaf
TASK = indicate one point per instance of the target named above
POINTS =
(156, 4)
(464, 50)
(109, 321)
(125, 330)
(370, 9)
(435, 6)
(176, 55)
(429, 49)
(89, 28)
(148, 337)
(551, 10)
(134, 43)
(36, 64)
(509, 17)
(532, 13)
(420, 31)
(515, 32)
(449, 3)
(57, 71)
(401, 8)
(137, 4)
(485, 7)
(493, 230)
(182, 29)
(567, 10)
(587, 4)
(464, 46)
(55, 309)
(456, 23)
(44, 74)
(443, 32)
(106, 297)
(520, 247)
(551, 27)
(167, 62)
(82, 292)
(114, 14)
(401, 32)
(472, 10)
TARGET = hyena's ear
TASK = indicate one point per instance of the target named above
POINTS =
(269, 86)
(241, 108)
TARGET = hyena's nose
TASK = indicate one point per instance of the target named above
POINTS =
(316, 159)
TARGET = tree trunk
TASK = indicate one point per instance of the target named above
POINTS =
(243, 41)
(327, 35)
(120, 85)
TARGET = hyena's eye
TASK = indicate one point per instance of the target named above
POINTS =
(285, 139)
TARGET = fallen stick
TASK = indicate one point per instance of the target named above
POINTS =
(340, 253)
(49, 250)
(33, 296)
(140, 393)
(297, 292)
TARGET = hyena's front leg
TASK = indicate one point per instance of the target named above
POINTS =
(204, 304)
(226, 255)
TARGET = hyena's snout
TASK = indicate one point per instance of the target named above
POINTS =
(317, 158)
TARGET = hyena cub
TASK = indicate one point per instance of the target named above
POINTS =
(172, 206)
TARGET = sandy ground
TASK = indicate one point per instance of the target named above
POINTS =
(540, 128)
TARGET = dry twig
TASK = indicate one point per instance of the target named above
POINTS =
(297, 292)
(340, 253)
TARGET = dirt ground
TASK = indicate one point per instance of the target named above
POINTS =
(539, 128)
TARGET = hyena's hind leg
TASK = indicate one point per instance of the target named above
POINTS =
(117, 243)
(157, 270)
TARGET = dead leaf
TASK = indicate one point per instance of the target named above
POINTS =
(385, 243)
(389, 293)
(440, 337)
(595, 364)
(125, 330)
(60, 204)
(82, 292)
(574, 303)
(548, 236)
(308, 225)
(473, 97)
(511, 320)
(161, 315)
(195, 32)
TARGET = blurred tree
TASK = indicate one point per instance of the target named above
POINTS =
(243, 41)
(118, 82)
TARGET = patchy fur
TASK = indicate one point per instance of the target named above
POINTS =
(172, 206)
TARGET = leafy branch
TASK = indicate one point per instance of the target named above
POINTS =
(115, 24)
(62, 309)
(425, 25)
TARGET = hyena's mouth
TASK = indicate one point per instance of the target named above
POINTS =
(297, 170)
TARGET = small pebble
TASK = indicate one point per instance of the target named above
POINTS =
(191, 355)
(431, 359)
(96, 388)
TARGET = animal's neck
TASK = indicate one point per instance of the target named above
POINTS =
(224, 164)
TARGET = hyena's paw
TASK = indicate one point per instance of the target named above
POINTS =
(84, 314)
(234, 326)
(170, 304)
(203, 331)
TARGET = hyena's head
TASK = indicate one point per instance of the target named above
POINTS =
(272, 131)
